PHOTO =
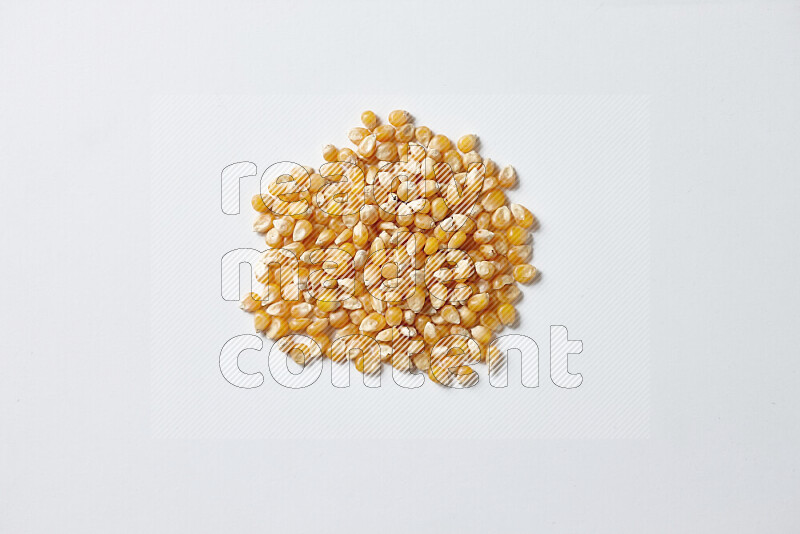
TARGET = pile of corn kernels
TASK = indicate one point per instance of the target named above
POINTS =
(403, 249)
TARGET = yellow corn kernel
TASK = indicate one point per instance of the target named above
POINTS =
(317, 326)
(466, 143)
(327, 307)
(440, 142)
(507, 177)
(524, 273)
(431, 245)
(399, 117)
(502, 280)
(356, 135)
(348, 247)
(510, 294)
(302, 309)
(261, 320)
(360, 235)
(457, 240)
(369, 119)
(450, 314)
(357, 316)
(519, 254)
(251, 302)
(374, 322)
(440, 234)
(522, 215)
(493, 200)
(423, 134)
(326, 237)
(491, 321)
(330, 152)
(506, 313)
(481, 334)
(404, 133)
(278, 309)
(453, 159)
(369, 214)
(298, 324)
(258, 204)
(386, 152)
(344, 236)
(439, 209)
(394, 316)
(517, 235)
(367, 146)
(468, 317)
(384, 133)
(277, 328)
(302, 229)
(501, 218)
(339, 318)
(490, 166)
(485, 269)
(345, 154)
(478, 302)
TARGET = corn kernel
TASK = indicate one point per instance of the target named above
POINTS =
(506, 313)
(517, 235)
(440, 143)
(384, 133)
(466, 143)
(369, 119)
(261, 320)
(394, 316)
(501, 218)
(524, 273)
(399, 117)
(522, 215)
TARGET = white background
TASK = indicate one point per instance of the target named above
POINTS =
(583, 169)
(77, 454)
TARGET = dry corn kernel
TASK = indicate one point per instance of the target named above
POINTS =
(506, 313)
(373, 322)
(330, 153)
(404, 133)
(394, 316)
(440, 142)
(367, 146)
(524, 273)
(384, 133)
(251, 302)
(491, 321)
(261, 320)
(450, 314)
(517, 235)
(386, 152)
(439, 209)
(423, 134)
(326, 306)
(522, 215)
(481, 334)
(468, 317)
(466, 143)
(478, 302)
(399, 117)
(519, 254)
(369, 119)
(493, 200)
(298, 324)
(457, 240)
(277, 328)
(258, 204)
(501, 218)
(507, 177)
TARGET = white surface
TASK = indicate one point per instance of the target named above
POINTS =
(77, 454)
(583, 169)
